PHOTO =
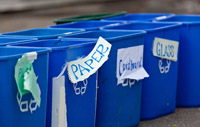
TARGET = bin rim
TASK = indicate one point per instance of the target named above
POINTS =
(138, 14)
(87, 17)
(166, 14)
(14, 36)
(13, 42)
(168, 26)
(68, 31)
(89, 43)
(183, 22)
(10, 37)
(132, 33)
(37, 29)
(54, 48)
(65, 25)
(18, 55)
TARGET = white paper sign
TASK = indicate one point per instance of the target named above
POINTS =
(81, 69)
(59, 108)
(130, 64)
(166, 49)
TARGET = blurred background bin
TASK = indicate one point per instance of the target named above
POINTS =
(81, 107)
(10, 40)
(32, 115)
(41, 33)
(117, 106)
(87, 25)
(96, 16)
(140, 17)
(188, 79)
(159, 90)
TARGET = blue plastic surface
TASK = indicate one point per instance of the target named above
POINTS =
(117, 106)
(10, 115)
(10, 40)
(188, 76)
(81, 109)
(184, 19)
(41, 33)
(88, 25)
(139, 17)
(159, 90)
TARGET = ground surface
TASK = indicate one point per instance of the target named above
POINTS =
(182, 117)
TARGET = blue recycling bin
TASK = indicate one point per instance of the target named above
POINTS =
(159, 90)
(28, 114)
(88, 25)
(117, 106)
(10, 40)
(140, 17)
(41, 33)
(81, 107)
(188, 81)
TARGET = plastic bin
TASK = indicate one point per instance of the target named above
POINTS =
(11, 114)
(96, 16)
(159, 90)
(87, 25)
(41, 33)
(117, 106)
(81, 109)
(140, 17)
(9, 40)
(188, 80)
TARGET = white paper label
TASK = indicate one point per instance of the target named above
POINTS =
(166, 49)
(130, 64)
(59, 108)
(81, 69)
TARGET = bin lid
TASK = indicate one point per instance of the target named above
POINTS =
(95, 16)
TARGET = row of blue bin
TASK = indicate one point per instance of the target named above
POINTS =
(99, 101)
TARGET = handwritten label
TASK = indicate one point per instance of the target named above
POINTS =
(130, 64)
(81, 69)
(166, 49)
